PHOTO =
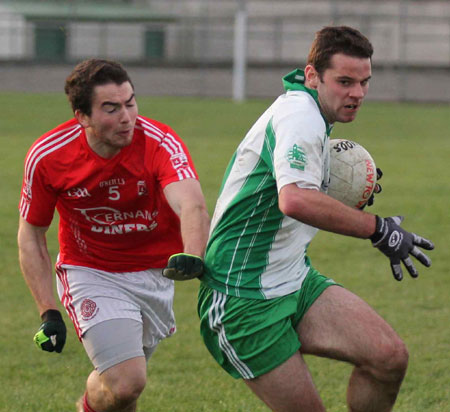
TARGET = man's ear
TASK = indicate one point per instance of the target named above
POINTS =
(82, 118)
(311, 77)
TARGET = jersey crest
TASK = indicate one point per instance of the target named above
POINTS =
(297, 157)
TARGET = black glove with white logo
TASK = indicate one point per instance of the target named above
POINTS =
(51, 336)
(397, 244)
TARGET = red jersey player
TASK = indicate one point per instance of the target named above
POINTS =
(129, 204)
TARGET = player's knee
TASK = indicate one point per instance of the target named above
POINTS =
(127, 390)
(392, 361)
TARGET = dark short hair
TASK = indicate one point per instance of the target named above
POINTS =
(86, 75)
(332, 40)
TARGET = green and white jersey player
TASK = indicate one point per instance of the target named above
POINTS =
(262, 306)
(255, 250)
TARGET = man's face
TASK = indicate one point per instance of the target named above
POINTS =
(343, 87)
(110, 126)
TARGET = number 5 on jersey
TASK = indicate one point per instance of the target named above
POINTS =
(114, 193)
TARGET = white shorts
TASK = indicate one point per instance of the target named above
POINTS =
(91, 296)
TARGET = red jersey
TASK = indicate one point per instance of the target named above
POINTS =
(113, 213)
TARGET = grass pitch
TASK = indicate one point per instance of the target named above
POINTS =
(409, 142)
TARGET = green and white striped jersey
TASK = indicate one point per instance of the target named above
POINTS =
(254, 250)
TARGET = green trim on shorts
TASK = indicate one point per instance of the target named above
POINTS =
(250, 337)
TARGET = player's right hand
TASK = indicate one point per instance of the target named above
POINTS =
(397, 244)
(183, 266)
(51, 335)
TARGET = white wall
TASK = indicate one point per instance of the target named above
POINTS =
(13, 35)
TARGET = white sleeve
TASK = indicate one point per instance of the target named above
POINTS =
(300, 133)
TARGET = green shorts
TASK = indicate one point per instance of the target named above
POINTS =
(250, 337)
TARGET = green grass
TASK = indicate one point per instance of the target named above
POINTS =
(409, 142)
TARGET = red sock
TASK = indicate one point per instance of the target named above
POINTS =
(86, 406)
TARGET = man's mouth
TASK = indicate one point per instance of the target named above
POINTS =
(351, 106)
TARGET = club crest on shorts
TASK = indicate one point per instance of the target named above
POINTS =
(88, 309)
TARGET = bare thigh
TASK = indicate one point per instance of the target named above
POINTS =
(340, 325)
(288, 388)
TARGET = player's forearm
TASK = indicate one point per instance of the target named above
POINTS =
(194, 220)
(36, 267)
(319, 210)
(187, 201)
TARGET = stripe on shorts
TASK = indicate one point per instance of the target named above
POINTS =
(67, 299)
(215, 315)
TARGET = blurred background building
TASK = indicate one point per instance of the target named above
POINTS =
(199, 47)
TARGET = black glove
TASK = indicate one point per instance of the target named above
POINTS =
(51, 336)
(397, 244)
(376, 190)
(183, 266)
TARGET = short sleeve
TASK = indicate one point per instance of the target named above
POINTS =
(173, 160)
(38, 199)
(299, 142)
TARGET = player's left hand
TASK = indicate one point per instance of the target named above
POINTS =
(376, 190)
(183, 266)
(397, 244)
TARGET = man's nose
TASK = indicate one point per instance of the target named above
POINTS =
(358, 91)
(125, 116)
